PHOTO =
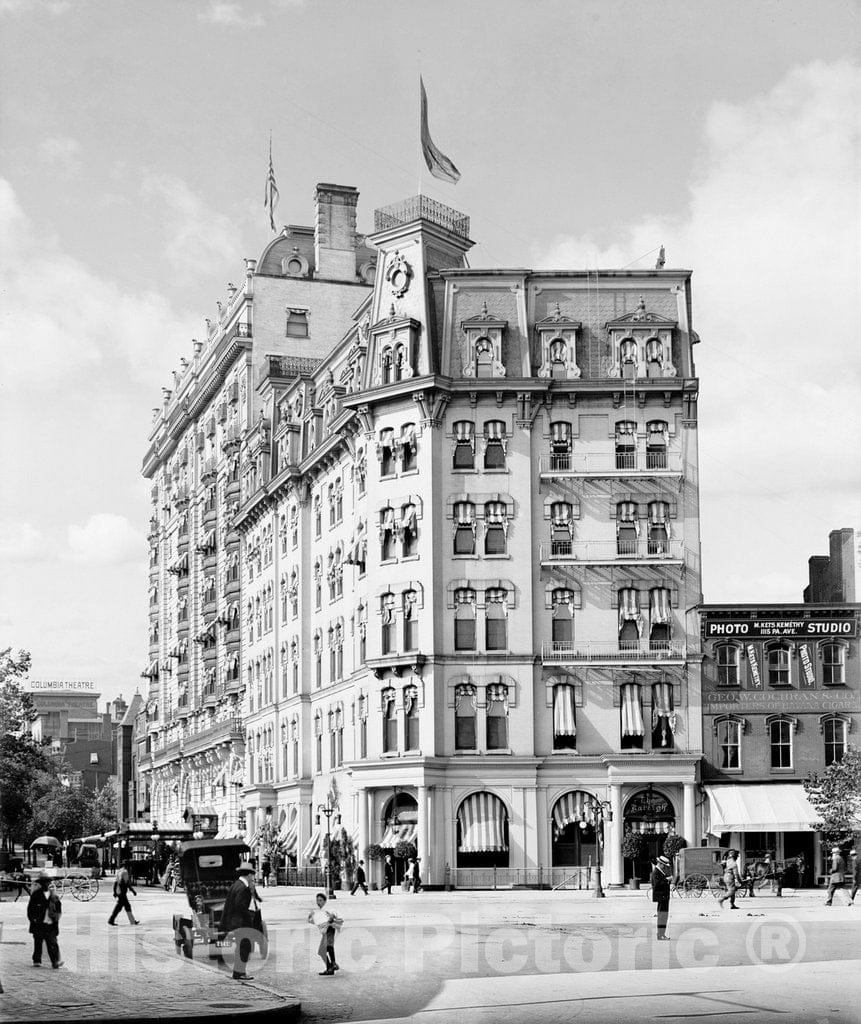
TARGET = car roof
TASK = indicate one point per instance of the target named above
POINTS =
(213, 844)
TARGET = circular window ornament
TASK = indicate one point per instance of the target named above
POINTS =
(399, 275)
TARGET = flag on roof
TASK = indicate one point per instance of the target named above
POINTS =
(438, 163)
(270, 200)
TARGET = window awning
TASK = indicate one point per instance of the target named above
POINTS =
(395, 834)
(573, 807)
(229, 832)
(288, 837)
(659, 610)
(313, 846)
(632, 711)
(776, 807)
(563, 711)
(482, 819)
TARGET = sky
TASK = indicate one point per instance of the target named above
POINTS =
(133, 157)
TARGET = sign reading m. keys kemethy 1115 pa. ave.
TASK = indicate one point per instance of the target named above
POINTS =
(753, 629)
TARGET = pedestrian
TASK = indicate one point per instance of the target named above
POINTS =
(837, 874)
(328, 924)
(854, 875)
(731, 878)
(238, 917)
(417, 874)
(43, 912)
(801, 869)
(773, 873)
(267, 868)
(122, 887)
(360, 880)
(407, 883)
(388, 874)
(661, 894)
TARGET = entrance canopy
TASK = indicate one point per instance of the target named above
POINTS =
(482, 819)
(395, 834)
(780, 807)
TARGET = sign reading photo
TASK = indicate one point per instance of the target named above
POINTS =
(757, 629)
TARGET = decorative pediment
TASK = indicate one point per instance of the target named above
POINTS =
(483, 354)
(641, 316)
(641, 344)
(483, 320)
(558, 321)
(557, 346)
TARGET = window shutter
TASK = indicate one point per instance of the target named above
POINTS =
(674, 600)
(578, 693)
(677, 696)
(617, 696)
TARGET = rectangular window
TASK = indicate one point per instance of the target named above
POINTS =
(297, 323)
(729, 744)
(363, 737)
(497, 725)
(778, 666)
(834, 731)
(495, 444)
(390, 728)
(833, 664)
(728, 665)
(497, 634)
(319, 753)
(464, 634)
(464, 445)
(781, 744)
(464, 719)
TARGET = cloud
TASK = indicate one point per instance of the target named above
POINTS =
(221, 13)
(69, 309)
(22, 542)
(197, 238)
(105, 539)
(771, 232)
(61, 155)
(15, 7)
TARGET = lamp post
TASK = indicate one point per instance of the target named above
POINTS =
(602, 812)
(328, 810)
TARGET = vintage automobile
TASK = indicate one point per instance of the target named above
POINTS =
(208, 868)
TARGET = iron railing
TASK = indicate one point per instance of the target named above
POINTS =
(609, 463)
(561, 651)
(621, 551)
(510, 878)
(421, 208)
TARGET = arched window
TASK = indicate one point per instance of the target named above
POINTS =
(833, 664)
(464, 528)
(464, 445)
(411, 631)
(495, 528)
(558, 356)
(411, 718)
(318, 739)
(482, 831)
(777, 663)
(464, 717)
(464, 620)
(628, 357)
(497, 717)
(398, 362)
(728, 733)
(728, 659)
(654, 358)
(390, 722)
(483, 358)
(386, 366)
(496, 620)
(387, 623)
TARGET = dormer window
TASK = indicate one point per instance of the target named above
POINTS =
(654, 358)
(484, 345)
(557, 337)
(558, 351)
(628, 358)
(483, 358)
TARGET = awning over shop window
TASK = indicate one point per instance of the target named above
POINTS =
(288, 837)
(779, 807)
(313, 846)
(395, 834)
(574, 807)
(482, 819)
(229, 832)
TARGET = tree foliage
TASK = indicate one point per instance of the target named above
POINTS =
(17, 709)
(27, 775)
(836, 796)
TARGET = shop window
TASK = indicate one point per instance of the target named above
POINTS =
(464, 620)
(464, 445)
(833, 664)
(496, 620)
(778, 665)
(728, 658)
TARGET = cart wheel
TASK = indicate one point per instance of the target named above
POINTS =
(187, 941)
(85, 889)
(696, 885)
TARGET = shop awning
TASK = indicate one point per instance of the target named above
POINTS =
(779, 807)
(482, 819)
(288, 837)
(574, 807)
(313, 846)
(395, 834)
(229, 832)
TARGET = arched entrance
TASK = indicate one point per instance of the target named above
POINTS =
(400, 825)
(649, 815)
(574, 839)
(482, 832)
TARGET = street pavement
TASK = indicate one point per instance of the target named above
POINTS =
(461, 957)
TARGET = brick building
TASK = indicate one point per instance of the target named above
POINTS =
(781, 697)
(469, 551)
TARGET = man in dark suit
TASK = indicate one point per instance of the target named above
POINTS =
(43, 912)
(237, 917)
(661, 894)
(361, 881)
(388, 875)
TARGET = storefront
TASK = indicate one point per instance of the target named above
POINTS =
(649, 816)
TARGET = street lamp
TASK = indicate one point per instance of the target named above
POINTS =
(602, 812)
(328, 810)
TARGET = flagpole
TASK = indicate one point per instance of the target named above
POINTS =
(419, 154)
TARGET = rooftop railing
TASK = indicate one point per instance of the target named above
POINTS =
(421, 208)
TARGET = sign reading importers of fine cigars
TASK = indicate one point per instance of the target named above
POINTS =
(783, 700)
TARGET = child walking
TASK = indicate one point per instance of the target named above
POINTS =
(328, 923)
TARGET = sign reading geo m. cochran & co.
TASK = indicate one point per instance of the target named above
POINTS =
(757, 629)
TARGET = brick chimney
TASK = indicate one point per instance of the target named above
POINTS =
(335, 232)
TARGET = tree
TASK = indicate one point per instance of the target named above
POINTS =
(17, 709)
(27, 776)
(836, 797)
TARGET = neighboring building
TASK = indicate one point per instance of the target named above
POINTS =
(69, 721)
(469, 515)
(304, 287)
(781, 698)
(123, 757)
(833, 576)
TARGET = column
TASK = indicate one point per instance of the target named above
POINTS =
(689, 815)
(433, 863)
(305, 826)
(423, 845)
(362, 812)
(449, 831)
(613, 839)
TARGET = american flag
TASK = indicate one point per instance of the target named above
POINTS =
(438, 163)
(270, 200)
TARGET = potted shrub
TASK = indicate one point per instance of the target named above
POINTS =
(632, 849)
(375, 853)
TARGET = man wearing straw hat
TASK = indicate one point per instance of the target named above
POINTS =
(238, 917)
(661, 894)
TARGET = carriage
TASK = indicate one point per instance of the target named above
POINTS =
(208, 869)
(699, 870)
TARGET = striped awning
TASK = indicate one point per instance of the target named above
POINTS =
(632, 711)
(561, 513)
(464, 430)
(573, 807)
(560, 432)
(229, 832)
(629, 605)
(659, 606)
(313, 846)
(563, 710)
(627, 511)
(494, 430)
(482, 818)
(658, 513)
(408, 433)
(408, 517)
(395, 834)
(288, 837)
